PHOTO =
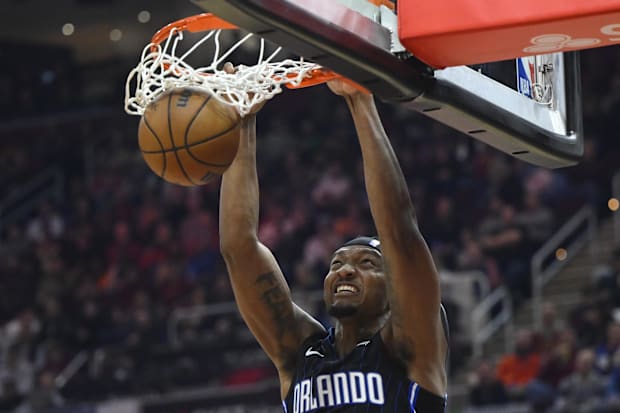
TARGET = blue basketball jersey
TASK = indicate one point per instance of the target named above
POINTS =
(368, 379)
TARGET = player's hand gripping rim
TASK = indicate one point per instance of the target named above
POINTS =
(230, 69)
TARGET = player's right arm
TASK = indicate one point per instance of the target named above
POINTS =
(261, 292)
(416, 332)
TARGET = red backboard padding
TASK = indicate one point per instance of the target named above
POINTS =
(457, 32)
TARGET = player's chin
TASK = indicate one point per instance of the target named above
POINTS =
(342, 310)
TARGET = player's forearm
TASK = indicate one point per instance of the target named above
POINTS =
(239, 201)
(387, 190)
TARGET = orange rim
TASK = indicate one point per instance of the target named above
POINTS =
(208, 21)
(319, 76)
(195, 24)
(314, 77)
(387, 3)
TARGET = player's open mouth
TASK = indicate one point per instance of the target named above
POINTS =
(346, 289)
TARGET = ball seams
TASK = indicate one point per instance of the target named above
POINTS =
(186, 135)
(196, 143)
(174, 148)
(211, 163)
(183, 129)
(161, 145)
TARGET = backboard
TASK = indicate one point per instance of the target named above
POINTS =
(360, 40)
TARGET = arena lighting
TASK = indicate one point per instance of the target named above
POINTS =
(561, 254)
(116, 35)
(68, 29)
(144, 16)
(613, 204)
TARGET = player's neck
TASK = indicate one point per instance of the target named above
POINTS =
(350, 331)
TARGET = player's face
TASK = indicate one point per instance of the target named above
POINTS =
(355, 284)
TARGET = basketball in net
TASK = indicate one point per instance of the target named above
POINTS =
(190, 115)
(163, 66)
(187, 137)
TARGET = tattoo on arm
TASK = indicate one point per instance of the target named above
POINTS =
(277, 301)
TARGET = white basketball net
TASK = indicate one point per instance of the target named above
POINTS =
(160, 69)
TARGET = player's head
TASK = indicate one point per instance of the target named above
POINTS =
(355, 284)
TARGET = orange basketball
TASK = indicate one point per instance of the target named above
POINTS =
(187, 137)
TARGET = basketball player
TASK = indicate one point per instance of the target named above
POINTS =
(388, 349)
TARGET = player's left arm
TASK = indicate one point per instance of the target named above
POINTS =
(416, 331)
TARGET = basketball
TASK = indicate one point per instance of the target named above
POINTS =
(187, 137)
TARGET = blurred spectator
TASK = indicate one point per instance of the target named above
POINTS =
(10, 397)
(606, 352)
(332, 188)
(504, 240)
(89, 322)
(198, 230)
(557, 363)
(21, 333)
(559, 360)
(444, 223)
(44, 395)
(170, 286)
(537, 221)
(548, 184)
(613, 389)
(486, 388)
(588, 321)
(318, 249)
(304, 278)
(54, 324)
(18, 283)
(144, 334)
(17, 370)
(590, 178)
(611, 281)
(269, 229)
(552, 328)
(220, 289)
(156, 251)
(349, 224)
(518, 369)
(122, 249)
(471, 258)
(48, 224)
(584, 390)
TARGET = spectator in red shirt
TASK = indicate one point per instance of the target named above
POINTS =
(518, 369)
(486, 389)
